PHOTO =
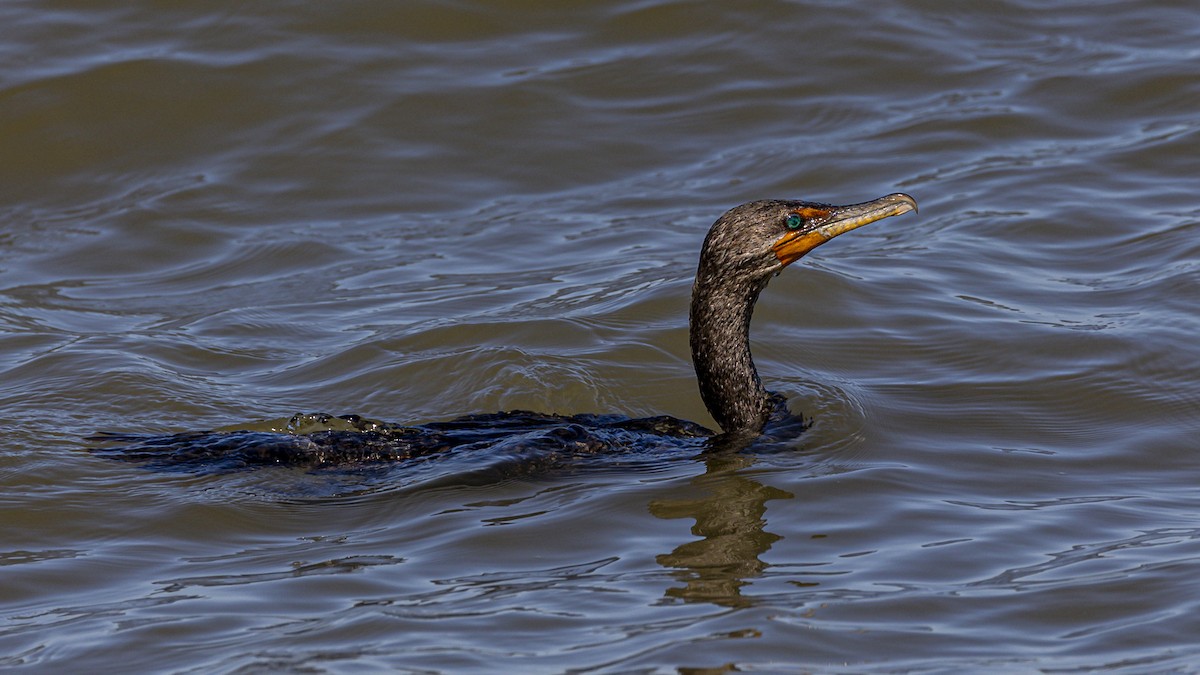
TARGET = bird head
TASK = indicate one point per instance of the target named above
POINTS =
(758, 239)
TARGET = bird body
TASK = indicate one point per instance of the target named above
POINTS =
(743, 250)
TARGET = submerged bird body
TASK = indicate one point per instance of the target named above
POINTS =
(522, 440)
(743, 250)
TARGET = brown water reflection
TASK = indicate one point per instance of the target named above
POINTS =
(730, 519)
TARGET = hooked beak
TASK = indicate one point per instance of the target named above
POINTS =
(829, 222)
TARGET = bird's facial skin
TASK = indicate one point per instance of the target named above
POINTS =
(809, 225)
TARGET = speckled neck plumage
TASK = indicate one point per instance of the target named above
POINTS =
(720, 341)
(723, 298)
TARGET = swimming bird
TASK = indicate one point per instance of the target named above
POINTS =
(744, 249)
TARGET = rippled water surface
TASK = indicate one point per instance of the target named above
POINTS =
(217, 216)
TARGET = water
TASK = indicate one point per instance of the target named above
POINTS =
(219, 216)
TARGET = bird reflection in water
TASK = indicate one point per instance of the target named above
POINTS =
(731, 523)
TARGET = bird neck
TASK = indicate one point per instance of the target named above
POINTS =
(720, 340)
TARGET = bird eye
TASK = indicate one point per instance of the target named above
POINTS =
(794, 221)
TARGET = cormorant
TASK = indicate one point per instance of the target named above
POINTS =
(743, 250)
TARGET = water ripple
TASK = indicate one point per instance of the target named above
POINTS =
(413, 211)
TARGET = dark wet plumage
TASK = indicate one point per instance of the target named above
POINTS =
(356, 440)
(744, 249)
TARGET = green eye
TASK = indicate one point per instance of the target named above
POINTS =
(794, 222)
